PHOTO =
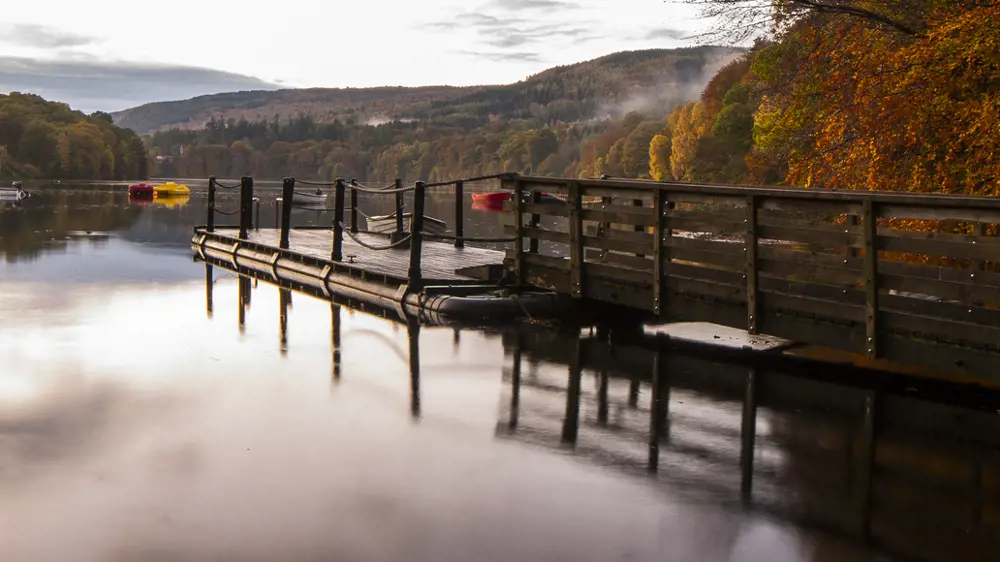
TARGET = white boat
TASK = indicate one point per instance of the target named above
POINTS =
(387, 224)
(316, 198)
(13, 193)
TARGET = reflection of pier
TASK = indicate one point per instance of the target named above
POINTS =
(917, 478)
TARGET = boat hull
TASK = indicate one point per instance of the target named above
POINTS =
(387, 224)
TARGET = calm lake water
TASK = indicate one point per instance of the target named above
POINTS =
(141, 420)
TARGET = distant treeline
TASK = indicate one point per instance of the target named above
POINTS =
(44, 139)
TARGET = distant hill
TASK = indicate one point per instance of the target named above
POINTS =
(610, 85)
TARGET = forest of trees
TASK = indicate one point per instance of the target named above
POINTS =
(45, 139)
(889, 95)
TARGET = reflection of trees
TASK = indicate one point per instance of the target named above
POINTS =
(43, 221)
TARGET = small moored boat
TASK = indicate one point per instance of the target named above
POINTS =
(13, 193)
(387, 224)
(316, 198)
(141, 190)
(171, 189)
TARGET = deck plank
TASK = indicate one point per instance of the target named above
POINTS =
(440, 260)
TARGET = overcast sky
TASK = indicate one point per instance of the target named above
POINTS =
(113, 54)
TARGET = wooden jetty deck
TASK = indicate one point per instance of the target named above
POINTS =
(840, 270)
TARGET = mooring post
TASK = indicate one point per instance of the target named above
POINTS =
(417, 235)
(246, 205)
(338, 220)
(256, 213)
(354, 207)
(287, 195)
(459, 214)
(399, 206)
(210, 207)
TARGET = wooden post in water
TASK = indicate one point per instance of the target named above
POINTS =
(354, 207)
(287, 196)
(338, 221)
(459, 214)
(209, 289)
(413, 334)
(416, 236)
(658, 406)
(398, 184)
(210, 206)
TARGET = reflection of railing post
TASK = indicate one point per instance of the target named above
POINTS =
(748, 435)
(284, 299)
(863, 458)
(210, 206)
(413, 334)
(398, 185)
(417, 236)
(209, 288)
(659, 406)
(571, 423)
(287, 197)
(243, 288)
(338, 220)
(515, 382)
(335, 338)
(459, 214)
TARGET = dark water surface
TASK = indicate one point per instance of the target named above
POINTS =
(138, 425)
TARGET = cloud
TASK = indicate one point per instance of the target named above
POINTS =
(667, 33)
(532, 5)
(42, 37)
(503, 57)
(90, 85)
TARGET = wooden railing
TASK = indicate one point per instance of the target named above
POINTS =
(824, 267)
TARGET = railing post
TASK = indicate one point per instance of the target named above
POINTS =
(287, 196)
(750, 250)
(338, 221)
(354, 207)
(416, 236)
(246, 205)
(256, 213)
(210, 207)
(869, 217)
(399, 206)
(518, 230)
(575, 240)
(658, 229)
(459, 214)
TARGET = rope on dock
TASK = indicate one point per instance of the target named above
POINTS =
(221, 212)
(501, 175)
(356, 183)
(224, 186)
(347, 230)
(380, 190)
(445, 237)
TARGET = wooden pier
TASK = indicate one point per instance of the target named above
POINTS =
(841, 270)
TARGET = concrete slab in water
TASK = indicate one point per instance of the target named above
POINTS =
(714, 334)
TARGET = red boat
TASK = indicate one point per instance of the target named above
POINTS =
(140, 191)
(492, 197)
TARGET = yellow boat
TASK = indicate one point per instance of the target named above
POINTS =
(172, 201)
(171, 189)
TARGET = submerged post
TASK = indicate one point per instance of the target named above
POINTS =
(416, 235)
(210, 207)
(354, 207)
(459, 214)
(287, 195)
(338, 221)
(399, 206)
